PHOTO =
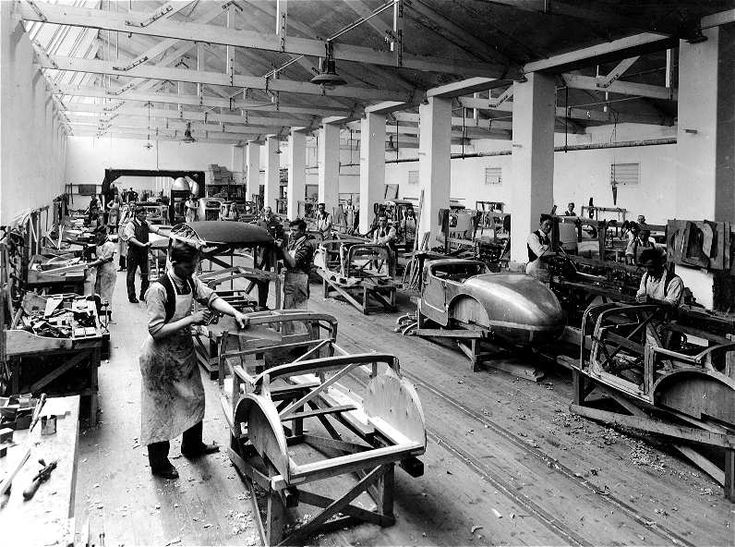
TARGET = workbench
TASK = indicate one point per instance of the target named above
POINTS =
(66, 282)
(29, 374)
(48, 517)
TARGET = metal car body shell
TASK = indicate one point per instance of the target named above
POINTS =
(514, 309)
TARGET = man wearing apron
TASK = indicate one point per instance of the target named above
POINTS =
(297, 258)
(172, 394)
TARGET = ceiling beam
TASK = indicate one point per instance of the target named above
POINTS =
(386, 107)
(717, 19)
(616, 49)
(577, 81)
(575, 113)
(217, 78)
(164, 45)
(91, 18)
(465, 87)
(210, 129)
(167, 136)
(187, 115)
(193, 100)
(618, 71)
(457, 121)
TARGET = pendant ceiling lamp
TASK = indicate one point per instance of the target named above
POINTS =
(328, 76)
(187, 134)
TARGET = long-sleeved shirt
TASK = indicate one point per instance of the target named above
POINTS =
(155, 299)
(302, 253)
(669, 288)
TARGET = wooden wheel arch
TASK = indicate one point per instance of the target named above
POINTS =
(699, 393)
(265, 431)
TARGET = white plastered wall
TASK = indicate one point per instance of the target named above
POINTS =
(32, 144)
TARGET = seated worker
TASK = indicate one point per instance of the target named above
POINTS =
(323, 221)
(172, 394)
(570, 210)
(658, 284)
(297, 257)
(640, 241)
(539, 249)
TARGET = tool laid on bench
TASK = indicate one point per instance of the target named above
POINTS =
(42, 476)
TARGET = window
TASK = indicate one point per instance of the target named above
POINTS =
(493, 175)
(625, 173)
(413, 177)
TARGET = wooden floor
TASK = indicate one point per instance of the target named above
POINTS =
(506, 463)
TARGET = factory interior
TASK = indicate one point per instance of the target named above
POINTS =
(367, 272)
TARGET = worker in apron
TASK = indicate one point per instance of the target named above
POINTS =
(106, 272)
(125, 217)
(190, 209)
(297, 258)
(539, 249)
(172, 394)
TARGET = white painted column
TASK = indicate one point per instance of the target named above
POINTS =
(296, 172)
(532, 192)
(435, 140)
(252, 161)
(272, 172)
(237, 164)
(329, 165)
(705, 147)
(372, 166)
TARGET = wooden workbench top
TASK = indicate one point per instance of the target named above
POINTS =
(47, 518)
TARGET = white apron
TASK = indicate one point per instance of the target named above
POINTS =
(172, 394)
(106, 272)
(295, 290)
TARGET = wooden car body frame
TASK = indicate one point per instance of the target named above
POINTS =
(269, 405)
(698, 381)
(623, 353)
(361, 273)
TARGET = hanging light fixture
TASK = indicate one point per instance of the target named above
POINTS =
(187, 134)
(328, 76)
(148, 145)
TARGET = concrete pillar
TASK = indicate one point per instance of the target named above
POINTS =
(237, 164)
(329, 165)
(296, 172)
(705, 147)
(435, 141)
(532, 192)
(272, 172)
(372, 166)
(252, 161)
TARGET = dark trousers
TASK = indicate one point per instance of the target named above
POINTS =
(137, 259)
(191, 442)
(263, 287)
(122, 262)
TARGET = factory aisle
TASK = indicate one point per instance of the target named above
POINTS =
(116, 493)
(506, 462)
